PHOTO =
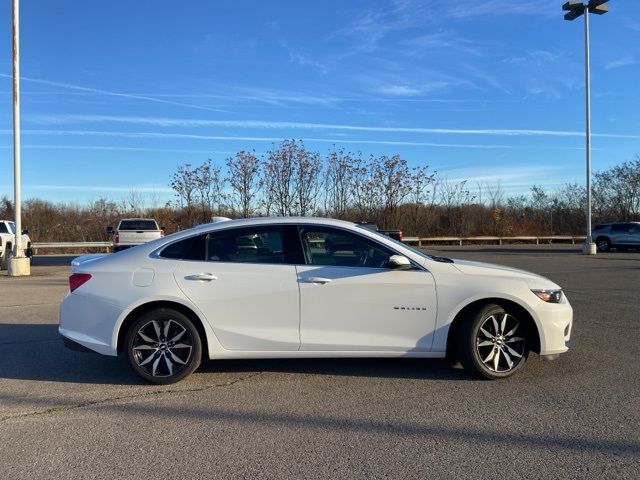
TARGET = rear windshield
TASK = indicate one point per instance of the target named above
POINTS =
(138, 225)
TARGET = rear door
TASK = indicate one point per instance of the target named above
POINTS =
(350, 300)
(245, 284)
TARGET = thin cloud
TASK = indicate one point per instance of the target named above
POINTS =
(620, 62)
(117, 149)
(101, 188)
(89, 133)
(261, 124)
(99, 91)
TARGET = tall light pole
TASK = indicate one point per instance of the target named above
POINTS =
(18, 264)
(574, 9)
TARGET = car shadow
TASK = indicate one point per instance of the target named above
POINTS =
(36, 352)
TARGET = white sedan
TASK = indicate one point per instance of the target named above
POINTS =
(305, 287)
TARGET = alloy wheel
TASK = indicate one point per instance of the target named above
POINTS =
(499, 346)
(162, 348)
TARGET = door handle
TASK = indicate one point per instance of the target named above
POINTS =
(206, 277)
(320, 280)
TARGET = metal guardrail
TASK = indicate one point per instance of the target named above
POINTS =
(419, 241)
(65, 245)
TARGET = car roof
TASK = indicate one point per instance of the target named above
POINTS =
(240, 222)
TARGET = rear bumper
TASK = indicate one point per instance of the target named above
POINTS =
(89, 322)
(75, 346)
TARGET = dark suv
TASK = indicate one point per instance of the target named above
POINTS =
(620, 235)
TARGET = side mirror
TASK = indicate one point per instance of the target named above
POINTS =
(25, 231)
(109, 229)
(400, 262)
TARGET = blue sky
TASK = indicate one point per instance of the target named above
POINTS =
(115, 95)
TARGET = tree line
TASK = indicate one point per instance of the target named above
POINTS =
(291, 180)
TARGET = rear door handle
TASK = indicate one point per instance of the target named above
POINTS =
(320, 280)
(205, 277)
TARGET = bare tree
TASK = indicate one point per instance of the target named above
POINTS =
(392, 178)
(243, 176)
(340, 177)
(291, 179)
(183, 182)
(422, 195)
(306, 180)
(209, 184)
(278, 174)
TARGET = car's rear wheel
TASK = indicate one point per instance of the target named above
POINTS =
(493, 342)
(603, 244)
(163, 346)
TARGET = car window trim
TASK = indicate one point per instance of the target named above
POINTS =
(297, 226)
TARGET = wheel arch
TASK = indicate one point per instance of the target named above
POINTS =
(153, 305)
(533, 332)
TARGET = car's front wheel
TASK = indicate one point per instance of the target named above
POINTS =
(163, 346)
(493, 343)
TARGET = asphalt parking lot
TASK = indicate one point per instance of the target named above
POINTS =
(65, 414)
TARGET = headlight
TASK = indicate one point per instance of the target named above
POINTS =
(549, 296)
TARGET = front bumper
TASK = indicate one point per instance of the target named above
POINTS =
(555, 325)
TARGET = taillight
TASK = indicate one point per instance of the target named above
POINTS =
(400, 235)
(116, 237)
(78, 279)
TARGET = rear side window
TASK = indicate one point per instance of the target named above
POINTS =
(262, 244)
(192, 248)
(634, 228)
(138, 225)
(620, 228)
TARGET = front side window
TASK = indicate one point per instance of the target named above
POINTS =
(335, 247)
(3, 228)
(634, 228)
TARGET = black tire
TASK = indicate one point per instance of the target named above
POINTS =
(163, 346)
(603, 244)
(493, 342)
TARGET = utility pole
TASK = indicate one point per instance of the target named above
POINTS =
(575, 9)
(19, 265)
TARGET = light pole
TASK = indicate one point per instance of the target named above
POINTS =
(18, 264)
(574, 9)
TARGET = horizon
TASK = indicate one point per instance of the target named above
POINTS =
(488, 93)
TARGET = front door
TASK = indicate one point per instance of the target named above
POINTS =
(350, 300)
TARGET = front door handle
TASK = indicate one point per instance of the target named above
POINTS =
(320, 280)
(205, 277)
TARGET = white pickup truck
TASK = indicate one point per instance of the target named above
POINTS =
(8, 240)
(134, 231)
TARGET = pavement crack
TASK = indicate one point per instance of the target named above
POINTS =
(143, 394)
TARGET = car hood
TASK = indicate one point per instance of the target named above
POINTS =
(469, 267)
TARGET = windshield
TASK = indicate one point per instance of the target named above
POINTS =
(12, 227)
